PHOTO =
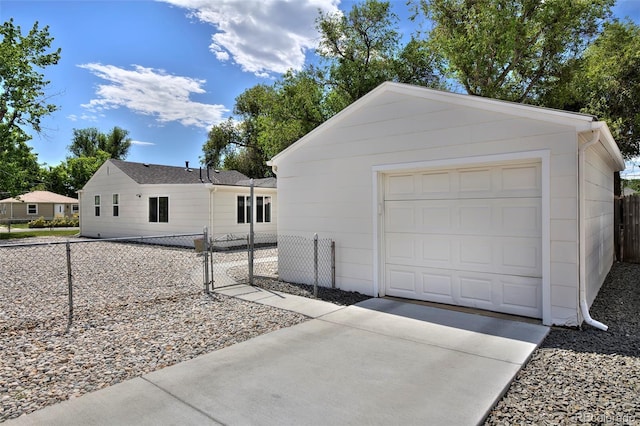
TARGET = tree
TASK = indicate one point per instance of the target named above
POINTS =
(360, 50)
(610, 83)
(87, 142)
(22, 96)
(23, 102)
(270, 118)
(89, 149)
(71, 175)
(19, 168)
(511, 50)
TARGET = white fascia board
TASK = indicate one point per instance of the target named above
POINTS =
(608, 142)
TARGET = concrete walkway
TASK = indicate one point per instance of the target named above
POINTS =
(379, 362)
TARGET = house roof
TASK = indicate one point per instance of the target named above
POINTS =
(150, 174)
(269, 182)
(581, 122)
(40, 197)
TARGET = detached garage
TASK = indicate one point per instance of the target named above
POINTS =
(460, 200)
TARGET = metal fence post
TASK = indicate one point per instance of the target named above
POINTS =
(333, 264)
(70, 285)
(251, 236)
(315, 265)
(205, 248)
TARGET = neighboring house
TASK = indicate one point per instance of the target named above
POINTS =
(458, 199)
(626, 191)
(134, 199)
(33, 205)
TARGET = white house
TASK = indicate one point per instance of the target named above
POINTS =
(458, 199)
(125, 199)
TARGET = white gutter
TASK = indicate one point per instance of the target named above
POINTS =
(584, 308)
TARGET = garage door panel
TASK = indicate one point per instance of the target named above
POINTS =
(521, 217)
(502, 255)
(401, 218)
(473, 181)
(520, 292)
(474, 218)
(508, 294)
(466, 236)
(493, 217)
(435, 183)
(521, 178)
(401, 281)
(475, 290)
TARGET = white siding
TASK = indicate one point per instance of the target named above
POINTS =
(598, 218)
(326, 186)
(224, 212)
(188, 206)
(191, 208)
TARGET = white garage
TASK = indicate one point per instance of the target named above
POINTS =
(458, 200)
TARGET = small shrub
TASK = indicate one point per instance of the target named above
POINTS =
(38, 223)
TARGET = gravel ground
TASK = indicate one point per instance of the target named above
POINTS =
(584, 376)
(136, 309)
(332, 295)
(122, 331)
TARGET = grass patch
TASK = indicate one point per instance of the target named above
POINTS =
(19, 225)
(31, 234)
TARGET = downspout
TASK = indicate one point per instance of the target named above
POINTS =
(584, 308)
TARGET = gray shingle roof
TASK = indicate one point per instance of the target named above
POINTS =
(144, 174)
(269, 182)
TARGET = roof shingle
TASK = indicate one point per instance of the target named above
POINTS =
(144, 174)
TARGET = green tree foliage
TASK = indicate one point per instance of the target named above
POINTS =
(270, 118)
(360, 50)
(71, 175)
(87, 142)
(360, 47)
(89, 149)
(512, 50)
(611, 83)
(19, 168)
(23, 102)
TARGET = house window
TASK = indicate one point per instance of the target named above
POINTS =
(159, 209)
(244, 209)
(96, 205)
(263, 209)
(116, 204)
(75, 209)
(32, 209)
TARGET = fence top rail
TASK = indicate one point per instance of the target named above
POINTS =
(97, 240)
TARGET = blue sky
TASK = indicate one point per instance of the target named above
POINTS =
(168, 70)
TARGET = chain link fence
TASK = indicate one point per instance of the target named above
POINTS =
(305, 260)
(51, 283)
(294, 259)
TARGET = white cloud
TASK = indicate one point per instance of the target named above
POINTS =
(140, 143)
(153, 92)
(262, 36)
(85, 117)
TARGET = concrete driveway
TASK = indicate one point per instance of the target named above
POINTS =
(380, 362)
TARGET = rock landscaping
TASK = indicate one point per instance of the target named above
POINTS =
(155, 314)
(137, 309)
(584, 376)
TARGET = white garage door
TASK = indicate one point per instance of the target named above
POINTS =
(466, 236)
